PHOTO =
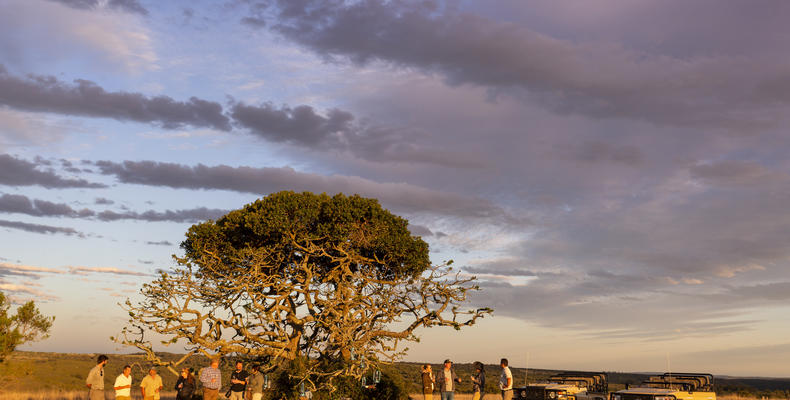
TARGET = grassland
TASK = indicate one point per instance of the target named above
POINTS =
(61, 376)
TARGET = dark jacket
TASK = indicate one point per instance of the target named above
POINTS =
(427, 383)
(440, 382)
(186, 390)
(479, 382)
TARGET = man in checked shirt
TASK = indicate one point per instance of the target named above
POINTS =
(211, 378)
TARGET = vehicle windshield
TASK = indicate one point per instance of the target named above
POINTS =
(639, 396)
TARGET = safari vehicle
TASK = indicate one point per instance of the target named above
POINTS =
(670, 386)
(566, 386)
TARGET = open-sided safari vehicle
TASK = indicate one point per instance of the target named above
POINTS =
(566, 386)
(670, 386)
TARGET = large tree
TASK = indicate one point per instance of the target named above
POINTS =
(335, 282)
(27, 325)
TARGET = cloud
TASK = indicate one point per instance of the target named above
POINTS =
(19, 172)
(14, 203)
(104, 270)
(18, 128)
(300, 124)
(38, 294)
(190, 215)
(37, 228)
(598, 79)
(35, 33)
(160, 243)
(131, 6)
(400, 196)
(85, 98)
(337, 130)
(734, 172)
(26, 270)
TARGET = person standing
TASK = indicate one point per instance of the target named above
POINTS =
(256, 383)
(151, 385)
(427, 382)
(185, 385)
(238, 382)
(95, 380)
(446, 379)
(478, 381)
(506, 381)
(123, 384)
(211, 378)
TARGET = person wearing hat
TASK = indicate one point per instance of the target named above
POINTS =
(446, 380)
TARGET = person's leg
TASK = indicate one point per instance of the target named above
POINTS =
(476, 396)
(508, 395)
(210, 394)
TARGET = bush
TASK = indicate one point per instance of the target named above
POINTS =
(390, 387)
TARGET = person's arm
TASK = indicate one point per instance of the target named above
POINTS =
(89, 379)
(117, 384)
(142, 391)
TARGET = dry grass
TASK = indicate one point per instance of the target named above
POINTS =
(69, 395)
(109, 395)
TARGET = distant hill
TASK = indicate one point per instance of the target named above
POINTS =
(27, 371)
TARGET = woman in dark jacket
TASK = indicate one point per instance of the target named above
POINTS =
(185, 385)
(427, 382)
(478, 381)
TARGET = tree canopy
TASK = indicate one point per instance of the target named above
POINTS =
(27, 325)
(336, 282)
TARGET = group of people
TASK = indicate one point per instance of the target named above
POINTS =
(445, 380)
(210, 377)
(241, 381)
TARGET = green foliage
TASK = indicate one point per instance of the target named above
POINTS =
(27, 325)
(339, 223)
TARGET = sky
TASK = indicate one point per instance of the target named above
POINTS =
(614, 173)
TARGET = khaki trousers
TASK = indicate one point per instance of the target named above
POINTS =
(507, 394)
(96, 394)
(210, 394)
